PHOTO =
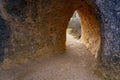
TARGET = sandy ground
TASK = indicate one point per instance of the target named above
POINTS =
(76, 64)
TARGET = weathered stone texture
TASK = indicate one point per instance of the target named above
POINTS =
(4, 35)
(109, 12)
(90, 28)
(109, 15)
(38, 27)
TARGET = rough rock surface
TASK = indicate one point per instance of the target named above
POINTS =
(4, 35)
(110, 30)
(35, 28)
(109, 14)
(90, 28)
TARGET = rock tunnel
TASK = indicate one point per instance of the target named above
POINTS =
(38, 28)
(37, 33)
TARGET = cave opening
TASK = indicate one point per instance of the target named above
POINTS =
(87, 28)
(74, 28)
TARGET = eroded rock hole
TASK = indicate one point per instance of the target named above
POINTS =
(74, 28)
(85, 26)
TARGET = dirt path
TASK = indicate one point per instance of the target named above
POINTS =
(75, 64)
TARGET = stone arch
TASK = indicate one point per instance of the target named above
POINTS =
(90, 28)
(39, 27)
(50, 20)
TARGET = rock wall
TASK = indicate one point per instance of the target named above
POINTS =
(90, 28)
(4, 35)
(36, 28)
(109, 15)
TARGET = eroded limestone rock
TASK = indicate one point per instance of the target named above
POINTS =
(36, 28)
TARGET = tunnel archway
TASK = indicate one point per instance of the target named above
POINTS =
(50, 36)
(90, 28)
(38, 28)
(45, 33)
